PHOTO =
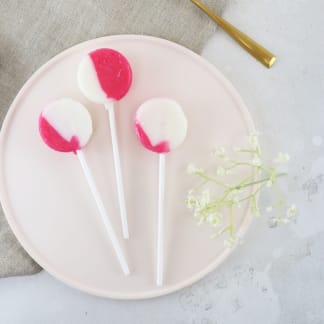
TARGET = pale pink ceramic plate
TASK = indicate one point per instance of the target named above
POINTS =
(45, 196)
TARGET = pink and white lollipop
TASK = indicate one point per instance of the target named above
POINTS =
(65, 125)
(161, 126)
(104, 77)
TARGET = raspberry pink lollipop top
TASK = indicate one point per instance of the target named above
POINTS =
(65, 125)
(104, 75)
(160, 125)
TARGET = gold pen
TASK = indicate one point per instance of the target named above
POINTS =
(255, 49)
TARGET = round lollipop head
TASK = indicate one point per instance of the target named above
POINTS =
(160, 125)
(65, 125)
(104, 75)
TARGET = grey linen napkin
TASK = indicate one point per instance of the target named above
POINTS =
(31, 32)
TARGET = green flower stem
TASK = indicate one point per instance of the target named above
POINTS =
(212, 180)
(247, 151)
(225, 229)
(281, 203)
(200, 185)
(258, 181)
(253, 194)
(252, 176)
(239, 163)
(231, 221)
(231, 167)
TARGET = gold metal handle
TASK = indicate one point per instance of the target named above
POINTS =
(255, 49)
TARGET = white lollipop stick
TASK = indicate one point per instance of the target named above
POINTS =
(65, 126)
(161, 126)
(160, 222)
(103, 213)
(119, 179)
(105, 76)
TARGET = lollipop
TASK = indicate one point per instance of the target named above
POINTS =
(65, 126)
(161, 126)
(104, 77)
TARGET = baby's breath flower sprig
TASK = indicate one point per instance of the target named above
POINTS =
(213, 201)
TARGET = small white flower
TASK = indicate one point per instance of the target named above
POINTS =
(191, 168)
(292, 210)
(253, 139)
(281, 158)
(221, 171)
(280, 220)
(197, 213)
(199, 171)
(220, 152)
(190, 204)
(256, 161)
(210, 219)
(214, 219)
(199, 203)
(191, 200)
(269, 183)
(269, 209)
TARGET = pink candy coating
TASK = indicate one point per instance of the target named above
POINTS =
(113, 71)
(65, 125)
(55, 140)
(160, 125)
(161, 147)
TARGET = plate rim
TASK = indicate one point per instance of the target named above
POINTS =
(39, 258)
